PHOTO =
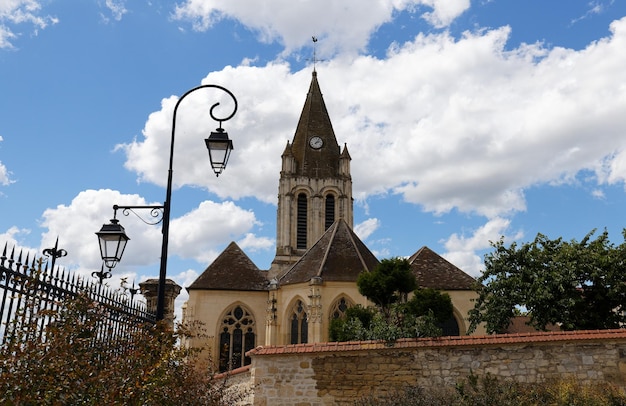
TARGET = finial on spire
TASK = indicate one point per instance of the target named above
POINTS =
(314, 53)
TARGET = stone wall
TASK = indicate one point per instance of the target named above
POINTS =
(338, 373)
(238, 382)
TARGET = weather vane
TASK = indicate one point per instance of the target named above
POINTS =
(315, 60)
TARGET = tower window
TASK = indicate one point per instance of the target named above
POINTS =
(329, 211)
(237, 338)
(302, 221)
(299, 324)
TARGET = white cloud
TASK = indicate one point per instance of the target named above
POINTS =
(346, 26)
(6, 37)
(253, 243)
(195, 235)
(444, 12)
(594, 7)
(16, 12)
(4, 172)
(4, 175)
(470, 128)
(13, 241)
(183, 280)
(366, 228)
(259, 134)
(117, 9)
(462, 250)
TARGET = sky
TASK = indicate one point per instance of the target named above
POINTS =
(467, 121)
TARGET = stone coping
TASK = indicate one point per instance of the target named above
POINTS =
(234, 372)
(451, 341)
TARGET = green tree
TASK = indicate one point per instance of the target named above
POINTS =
(353, 326)
(388, 286)
(388, 283)
(427, 300)
(576, 285)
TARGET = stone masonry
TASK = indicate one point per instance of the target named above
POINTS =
(338, 373)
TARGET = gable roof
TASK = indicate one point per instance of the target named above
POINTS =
(339, 255)
(231, 270)
(433, 271)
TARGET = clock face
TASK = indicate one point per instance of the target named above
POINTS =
(316, 142)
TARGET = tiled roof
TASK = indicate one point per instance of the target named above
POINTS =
(339, 255)
(432, 271)
(453, 341)
(231, 270)
(237, 371)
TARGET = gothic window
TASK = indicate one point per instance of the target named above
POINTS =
(302, 222)
(299, 324)
(450, 327)
(329, 211)
(338, 310)
(237, 338)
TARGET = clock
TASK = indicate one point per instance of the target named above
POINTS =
(316, 142)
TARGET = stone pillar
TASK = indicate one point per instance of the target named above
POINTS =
(149, 289)
(315, 310)
(271, 320)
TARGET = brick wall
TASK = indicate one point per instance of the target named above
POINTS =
(338, 373)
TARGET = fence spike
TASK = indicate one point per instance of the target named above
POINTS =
(12, 258)
(52, 288)
(4, 254)
(33, 264)
(19, 259)
(25, 264)
(55, 276)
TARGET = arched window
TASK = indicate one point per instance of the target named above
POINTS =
(450, 327)
(302, 220)
(338, 310)
(237, 338)
(329, 212)
(299, 324)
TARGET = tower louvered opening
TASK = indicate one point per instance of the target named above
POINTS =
(329, 212)
(302, 222)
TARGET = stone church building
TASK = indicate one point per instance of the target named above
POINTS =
(312, 278)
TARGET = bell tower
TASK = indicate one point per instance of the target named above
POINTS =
(315, 187)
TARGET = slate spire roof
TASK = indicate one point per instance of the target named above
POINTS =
(339, 255)
(315, 121)
(433, 271)
(231, 270)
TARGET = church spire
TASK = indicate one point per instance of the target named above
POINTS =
(315, 186)
(314, 145)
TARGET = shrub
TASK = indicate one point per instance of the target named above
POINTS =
(491, 391)
(71, 363)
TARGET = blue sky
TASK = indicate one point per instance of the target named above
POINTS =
(466, 121)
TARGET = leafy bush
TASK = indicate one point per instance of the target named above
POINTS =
(388, 286)
(73, 362)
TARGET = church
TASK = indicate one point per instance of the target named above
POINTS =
(312, 278)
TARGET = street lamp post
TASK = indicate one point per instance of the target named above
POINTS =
(113, 238)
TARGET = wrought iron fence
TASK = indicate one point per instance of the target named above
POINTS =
(31, 293)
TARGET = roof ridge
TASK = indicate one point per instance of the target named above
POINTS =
(334, 227)
(354, 244)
